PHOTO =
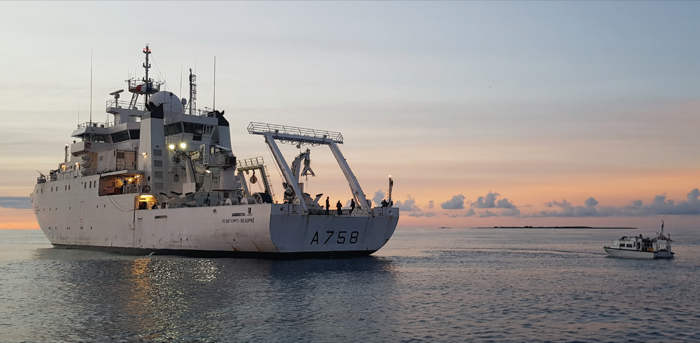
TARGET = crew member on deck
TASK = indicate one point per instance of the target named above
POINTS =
(340, 208)
(352, 205)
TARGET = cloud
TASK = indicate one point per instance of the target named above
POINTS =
(592, 208)
(408, 205)
(693, 196)
(16, 202)
(422, 214)
(378, 197)
(568, 210)
(487, 213)
(456, 203)
(431, 204)
(562, 204)
(590, 202)
(510, 212)
(504, 203)
(470, 213)
(661, 206)
(489, 201)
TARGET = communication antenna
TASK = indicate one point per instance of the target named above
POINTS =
(90, 87)
(182, 101)
(214, 104)
(193, 92)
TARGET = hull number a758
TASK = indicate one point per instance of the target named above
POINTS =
(341, 237)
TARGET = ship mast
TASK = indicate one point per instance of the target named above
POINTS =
(145, 86)
(193, 92)
(146, 80)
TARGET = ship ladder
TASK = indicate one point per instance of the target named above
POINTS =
(267, 177)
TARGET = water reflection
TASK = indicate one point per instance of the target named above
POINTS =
(167, 294)
(167, 298)
(483, 286)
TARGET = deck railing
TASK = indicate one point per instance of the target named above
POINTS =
(117, 104)
(293, 133)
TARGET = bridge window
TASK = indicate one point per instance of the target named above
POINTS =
(172, 129)
(135, 134)
(120, 136)
(196, 129)
(95, 138)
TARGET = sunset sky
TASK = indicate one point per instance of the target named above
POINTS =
(484, 113)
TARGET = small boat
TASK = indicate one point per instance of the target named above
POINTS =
(639, 247)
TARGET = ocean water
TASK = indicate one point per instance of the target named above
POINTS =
(426, 285)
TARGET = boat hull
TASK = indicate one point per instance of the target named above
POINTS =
(106, 223)
(219, 253)
(638, 254)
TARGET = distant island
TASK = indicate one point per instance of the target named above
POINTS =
(560, 227)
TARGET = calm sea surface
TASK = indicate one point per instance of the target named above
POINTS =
(426, 285)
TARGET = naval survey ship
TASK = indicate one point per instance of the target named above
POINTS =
(161, 177)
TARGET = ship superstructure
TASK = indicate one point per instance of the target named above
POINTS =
(162, 177)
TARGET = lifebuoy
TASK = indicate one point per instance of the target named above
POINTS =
(87, 145)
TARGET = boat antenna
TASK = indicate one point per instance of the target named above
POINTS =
(662, 226)
(183, 103)
(90, 87)
(214, 104)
